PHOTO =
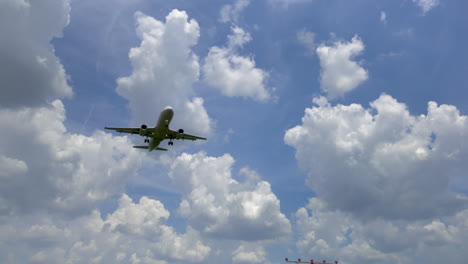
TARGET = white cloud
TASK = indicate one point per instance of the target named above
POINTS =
(383, 17)
(247, 253)
(146, 220)
(51, 180)
(60, 171)
(230, 13)
(334, 234)
(238, 38)
(426, 5)
(383, 161)
(232, 74)
(164, 70)
(339, 74)
(134, 232)
(12, 167)
(217, 205)
(138, 219)
(30, 73)
(307, 39)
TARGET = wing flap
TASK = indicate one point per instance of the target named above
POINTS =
(176, 135)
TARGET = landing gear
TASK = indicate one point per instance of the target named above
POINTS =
(170, 143)
(146, 140)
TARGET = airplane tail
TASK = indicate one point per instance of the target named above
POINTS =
(141, 147)
(146, 147)
(163, 149)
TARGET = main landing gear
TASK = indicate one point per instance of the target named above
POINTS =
(170, 143)
(146, 140)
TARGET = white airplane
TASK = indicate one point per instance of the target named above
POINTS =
(161, 131)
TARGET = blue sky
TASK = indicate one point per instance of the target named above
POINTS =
(336, 130)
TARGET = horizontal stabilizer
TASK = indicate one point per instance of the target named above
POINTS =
(163, 149)
(141, 147)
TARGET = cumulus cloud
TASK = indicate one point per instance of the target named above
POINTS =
(247, 253)
(426, 5)
(12, 167)
(339, 73)
(146, 220)
(383, 161)
(230, 13)
(52, 181)
(133, 233)
(59, 170)
(164, 70)
(335, 234)
(31, 74)
(232, 74)
(48, 196)
(217, 205)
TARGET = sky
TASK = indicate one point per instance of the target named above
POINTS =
(336, 130)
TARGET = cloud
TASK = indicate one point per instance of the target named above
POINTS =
(286, 3)
(59, 171)
(426, 5)
(12, 167)
(235, 75)
(383, 17)
(219, 206)
(339, 74)
(52, 180)
(307, 38)
(164, 70)
(383, 162)
(48, 196)
(230, 13)
(335, 234)
(133, 232)
(249, 254)
(31, 74)
(146, 220)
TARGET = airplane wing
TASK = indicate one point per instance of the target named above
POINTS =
(130, 130)
(171, 134)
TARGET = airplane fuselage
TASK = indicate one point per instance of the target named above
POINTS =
(161, 128)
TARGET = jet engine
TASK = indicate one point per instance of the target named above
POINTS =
(143, 129)
(179, 133)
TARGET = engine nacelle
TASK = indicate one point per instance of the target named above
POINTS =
(179, 133)
(143, 129)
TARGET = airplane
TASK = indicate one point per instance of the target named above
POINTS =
(161, 131)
